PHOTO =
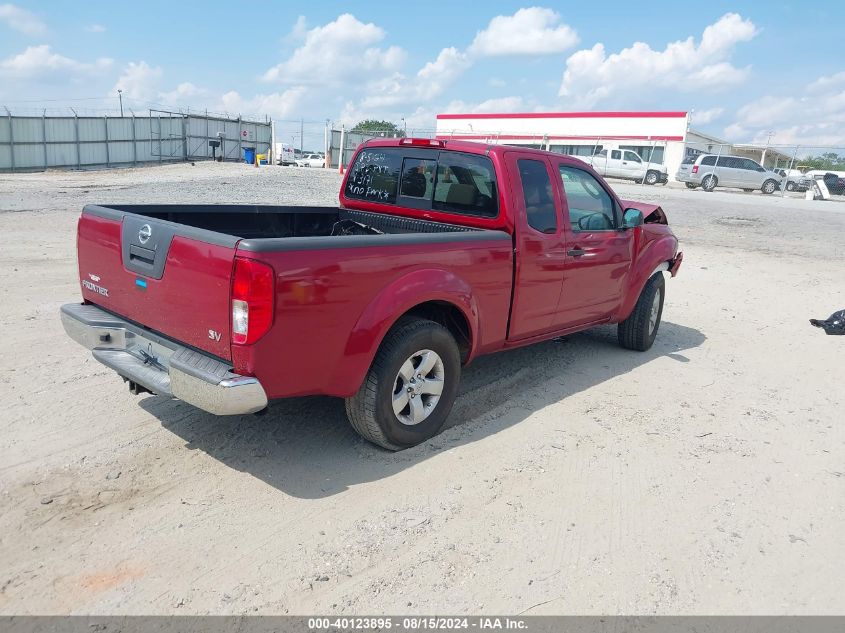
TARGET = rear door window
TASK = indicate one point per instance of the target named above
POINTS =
(375, 176)
(538, 196)
(615, 154)
(708, 160)
(465, 184)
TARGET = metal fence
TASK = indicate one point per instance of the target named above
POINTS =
(36, 143)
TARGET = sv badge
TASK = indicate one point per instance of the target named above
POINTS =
(214, 336)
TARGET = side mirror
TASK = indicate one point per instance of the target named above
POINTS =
(632, 218)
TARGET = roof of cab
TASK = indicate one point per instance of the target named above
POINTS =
(470, 147)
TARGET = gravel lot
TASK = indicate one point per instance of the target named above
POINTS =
(706, 476)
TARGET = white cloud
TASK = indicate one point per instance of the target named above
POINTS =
(815, 118)
(277, 105)
(41, 60)
(430, 81)
(300, 29)
(95, 28)
(825, 83)
(184, 94)
(498, 104)
(703, 117)
(340, 51)
(21, 20)
(139, 81)
(495, 82)
(529, 31)
(593, 77)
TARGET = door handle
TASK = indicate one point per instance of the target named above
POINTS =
(575, 252)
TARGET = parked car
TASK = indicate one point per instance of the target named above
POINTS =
(835, 183)
(623, 163)
(794, 179)
(440, 251)
(311, 160)
(709, 171)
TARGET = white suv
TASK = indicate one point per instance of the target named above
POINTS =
(709, 171)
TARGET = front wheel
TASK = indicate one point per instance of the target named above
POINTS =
(410, 388)
(790, 186)
(639, 330)
(651, 178)
(769, 187)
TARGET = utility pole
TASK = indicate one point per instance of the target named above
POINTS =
(327, 150)
(120, 96)
(301, 126)
(770, 133)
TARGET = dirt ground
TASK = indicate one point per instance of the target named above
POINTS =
(706, 476)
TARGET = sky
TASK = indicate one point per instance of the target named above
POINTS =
(746, 70)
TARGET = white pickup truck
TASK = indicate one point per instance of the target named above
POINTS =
(623, 163)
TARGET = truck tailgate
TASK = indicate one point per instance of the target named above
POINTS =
(167, 277)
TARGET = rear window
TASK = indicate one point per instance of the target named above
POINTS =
(375, 176)
(447, 181)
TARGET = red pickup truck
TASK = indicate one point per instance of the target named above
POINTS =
(440, 251)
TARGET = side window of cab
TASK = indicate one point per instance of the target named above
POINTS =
(591, 208)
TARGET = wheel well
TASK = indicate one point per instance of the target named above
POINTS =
(449, 316)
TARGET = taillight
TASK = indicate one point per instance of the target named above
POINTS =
(252, 300)
(695, 169)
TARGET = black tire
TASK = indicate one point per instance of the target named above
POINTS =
(769, 187)
(790, 186)
(370, 410)
(691, 185)
(709, 183)
(748, 190)
(651, 177)
(636, 331)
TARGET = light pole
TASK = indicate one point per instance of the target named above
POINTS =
(404, 127)
(120, 96)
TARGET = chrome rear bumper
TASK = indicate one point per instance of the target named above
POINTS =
(160, 365)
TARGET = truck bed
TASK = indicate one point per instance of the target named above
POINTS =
(277, 222)
(169, 269)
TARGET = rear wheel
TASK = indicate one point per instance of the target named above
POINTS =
(709, 183)
(769, 187)
(748, 190)
(651, 177)
(410, 388)
(639, 330)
